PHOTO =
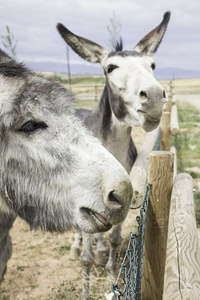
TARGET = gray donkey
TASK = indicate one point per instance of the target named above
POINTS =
(53, 173)
(132, 96)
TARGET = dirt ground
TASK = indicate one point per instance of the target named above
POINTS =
(40, 267)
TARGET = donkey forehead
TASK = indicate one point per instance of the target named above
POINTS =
(125, 53)
(32, 90)
(127, 58)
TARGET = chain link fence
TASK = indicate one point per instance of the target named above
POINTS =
(129, 280)
(131, 268)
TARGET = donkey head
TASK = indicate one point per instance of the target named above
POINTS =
(53, 172)
(135, 95)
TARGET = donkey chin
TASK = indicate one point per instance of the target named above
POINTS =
(147, 122)
(92, 222)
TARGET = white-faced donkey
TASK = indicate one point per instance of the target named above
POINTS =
(132, 96)
(53, 173)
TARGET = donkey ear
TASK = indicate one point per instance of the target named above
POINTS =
(150, 43)
(4, 58)
(88, 50)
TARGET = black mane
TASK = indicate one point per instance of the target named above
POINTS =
(13, 69)
(118, 45)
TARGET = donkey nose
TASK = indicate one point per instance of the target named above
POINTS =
(143, 95)
(164, 94)
(146, 95)
(120, 196)
(114, 199)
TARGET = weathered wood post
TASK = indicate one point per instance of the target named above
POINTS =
(139, 171)
(161, 178)
(168, 104)
(174, 126)
(165, 131)
(182, 270)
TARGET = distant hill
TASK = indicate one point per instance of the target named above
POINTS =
(88, 70)
(174, 73)
(75, 69)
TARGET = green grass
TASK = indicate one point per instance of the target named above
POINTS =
(81, 80)
(63, 249)
(66, 290)
(188, 114)
(187, 144)
(197, 206)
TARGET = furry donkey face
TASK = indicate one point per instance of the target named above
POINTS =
(135, 96)
(53, 172)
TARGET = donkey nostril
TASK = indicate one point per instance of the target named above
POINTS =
(143, 94)
(164, 94)
(113, 198)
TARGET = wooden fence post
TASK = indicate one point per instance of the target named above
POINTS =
(139, 171)
(182, 270)
(165, 131)
(168, 104)
(161, 178)
(174, 126)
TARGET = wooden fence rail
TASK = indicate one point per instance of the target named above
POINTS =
(139, 171)
(182, 268)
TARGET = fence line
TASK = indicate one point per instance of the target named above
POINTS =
(139, 171)
(179, 277)
(86, 92)
(131, 267)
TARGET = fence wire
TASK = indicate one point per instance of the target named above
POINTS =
(130, 272)
(131, 268)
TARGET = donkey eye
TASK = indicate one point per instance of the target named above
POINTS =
(110, 68)
(31, 126)
(153, 66)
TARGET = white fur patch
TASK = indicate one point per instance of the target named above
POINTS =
(9, 89)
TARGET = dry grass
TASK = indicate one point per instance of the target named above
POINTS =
(187, 86)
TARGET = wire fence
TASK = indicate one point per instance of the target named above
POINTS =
(129, 280)
(131, 268)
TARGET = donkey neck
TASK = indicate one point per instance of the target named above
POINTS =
(115, 134)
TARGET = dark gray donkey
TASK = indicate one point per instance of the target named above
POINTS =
(132, 96)
(53, 173)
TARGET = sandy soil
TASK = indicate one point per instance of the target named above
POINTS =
(40, 267)
(37, 264)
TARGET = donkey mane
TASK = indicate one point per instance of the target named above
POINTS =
(13, 69)
(118, 45)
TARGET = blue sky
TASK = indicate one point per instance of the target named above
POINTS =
(34, 26)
